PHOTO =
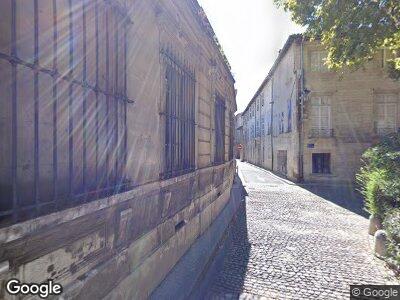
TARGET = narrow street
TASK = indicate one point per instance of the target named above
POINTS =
(288, 243)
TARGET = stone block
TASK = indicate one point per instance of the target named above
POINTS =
(380, 243)
(374, 224)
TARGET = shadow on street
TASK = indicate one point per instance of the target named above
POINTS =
(345, 196)
(234, 255)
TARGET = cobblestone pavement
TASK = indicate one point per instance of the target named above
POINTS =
(288, 243)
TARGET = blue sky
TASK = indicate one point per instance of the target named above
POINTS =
(251, 33)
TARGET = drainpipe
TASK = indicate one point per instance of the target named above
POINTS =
(260, 145)
(272, 123)
(301, 123)
(255, 132)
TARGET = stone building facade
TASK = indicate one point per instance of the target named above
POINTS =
(116, 123)
(239, 136)
(309, 123)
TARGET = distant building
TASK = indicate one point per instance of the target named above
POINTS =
(321, 138)
(239, 136)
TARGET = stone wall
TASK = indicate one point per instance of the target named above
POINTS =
(120, 244)
(123, 245)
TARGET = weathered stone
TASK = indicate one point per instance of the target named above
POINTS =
(374, 224)
(380, 243)
(88, 63)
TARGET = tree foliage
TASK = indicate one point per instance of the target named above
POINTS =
(379, 176)
(351, 30)
(380, 184)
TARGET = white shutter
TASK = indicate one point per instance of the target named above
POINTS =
(325, 118)
(391, 116)
(386, 113)
(321, 116)
(315, 117)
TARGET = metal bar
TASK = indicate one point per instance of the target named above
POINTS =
(190, 107)
(183, 115)
(175, 120)
(107, 101)
(12, 59)
(185, 106)
(192, 136)
(14, 114)
(178, 121)
(193, 142)
(184, 140)
(178, 104)
(168, 116)
(97, 92)
(36, 31)
(166, 143)
(189, 122)
(85, 93)
(171, 136)
(36, 106)
(172, 140)
(55, 148)
(182, 121)
(125, 103)
(116, 102)
(55, 35)
(223, 130)
(70, 102)
(173, 90)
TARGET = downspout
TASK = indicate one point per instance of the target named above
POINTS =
(272, 124)
(301, 123)
(260, 145)
(256, 136)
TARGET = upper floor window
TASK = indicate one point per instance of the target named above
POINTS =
(289, 118)
(386, 111)
(180, 118)
(269, 127)
(321, 116)
(281, 121)
(231, 138)
(318, 59)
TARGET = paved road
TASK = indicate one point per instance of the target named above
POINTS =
(289, 243)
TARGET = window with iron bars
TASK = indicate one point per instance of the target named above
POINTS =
(180, 116)
(73, 92)
(219, 131)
